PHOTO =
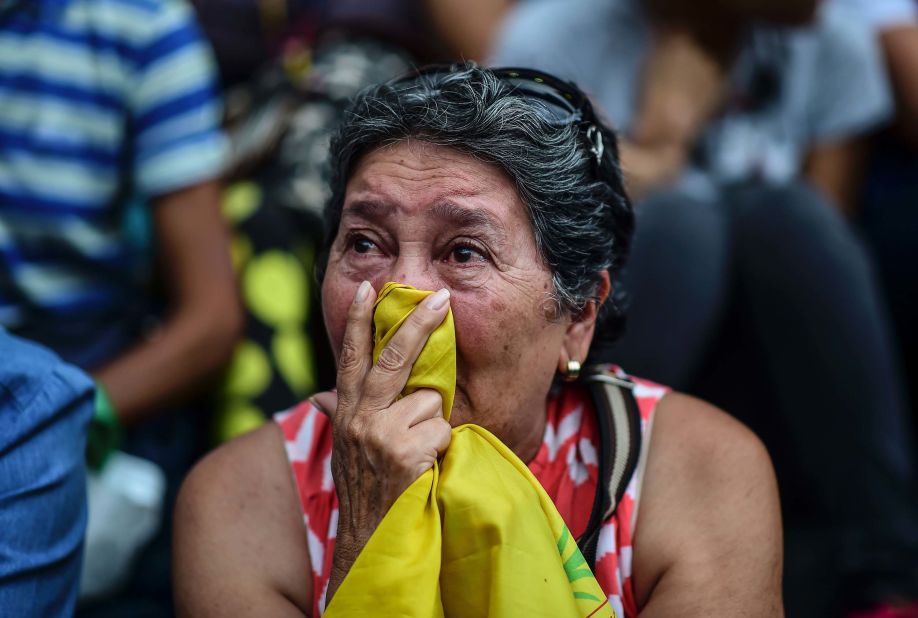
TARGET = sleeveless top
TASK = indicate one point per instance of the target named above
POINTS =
(566, 465)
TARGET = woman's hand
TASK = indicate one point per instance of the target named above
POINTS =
(381, 445)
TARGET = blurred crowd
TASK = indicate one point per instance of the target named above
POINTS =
(162, 181)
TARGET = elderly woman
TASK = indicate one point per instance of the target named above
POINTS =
(503, 193)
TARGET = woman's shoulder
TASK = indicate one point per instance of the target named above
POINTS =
(239, 529)
(253, 465)
(709, 448)
(246, 459)
(697, 426)
(709, 507)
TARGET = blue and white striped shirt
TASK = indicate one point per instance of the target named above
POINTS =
(100, 101)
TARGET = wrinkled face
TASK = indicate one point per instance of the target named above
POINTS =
(434, 217)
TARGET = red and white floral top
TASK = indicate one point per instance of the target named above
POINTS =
(566, 465)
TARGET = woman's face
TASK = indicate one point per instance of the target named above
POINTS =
(434, 217)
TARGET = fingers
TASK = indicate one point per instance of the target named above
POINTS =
(419, 449)
(434, 433)
(388, 376)
(357, 345)
(326, 402)
(419, 406)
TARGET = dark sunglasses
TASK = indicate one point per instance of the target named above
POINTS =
(563, 100)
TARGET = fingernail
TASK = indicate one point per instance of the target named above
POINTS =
(437, 299)
(362, 292)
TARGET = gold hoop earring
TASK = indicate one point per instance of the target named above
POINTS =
(573, 371)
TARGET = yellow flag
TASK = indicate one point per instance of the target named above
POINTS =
(474, 536)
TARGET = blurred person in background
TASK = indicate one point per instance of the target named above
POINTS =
(109, 132)
(45, 408)
(887, 214)
(744, 126)
(895, 24)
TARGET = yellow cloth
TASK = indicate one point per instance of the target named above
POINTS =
(474, 536)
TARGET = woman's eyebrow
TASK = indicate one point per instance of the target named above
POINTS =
(464, 217)
(371, 210)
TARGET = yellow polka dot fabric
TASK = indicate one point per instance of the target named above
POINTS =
(275, 287)
(273, 367)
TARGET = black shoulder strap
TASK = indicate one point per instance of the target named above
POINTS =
(619, 449)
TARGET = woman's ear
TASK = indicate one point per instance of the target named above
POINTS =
(580, 331)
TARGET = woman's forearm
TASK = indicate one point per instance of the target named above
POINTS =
(359, 514)
(346, 551)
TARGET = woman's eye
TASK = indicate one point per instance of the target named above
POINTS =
(363, 245)
(464, 254)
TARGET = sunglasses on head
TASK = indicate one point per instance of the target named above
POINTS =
(565, 103)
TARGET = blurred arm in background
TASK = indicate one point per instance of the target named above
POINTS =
(840, 124)
(684, 85)
(205, 316)
(837, 169)
(900, 46)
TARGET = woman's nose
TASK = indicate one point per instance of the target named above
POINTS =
(416, 272)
